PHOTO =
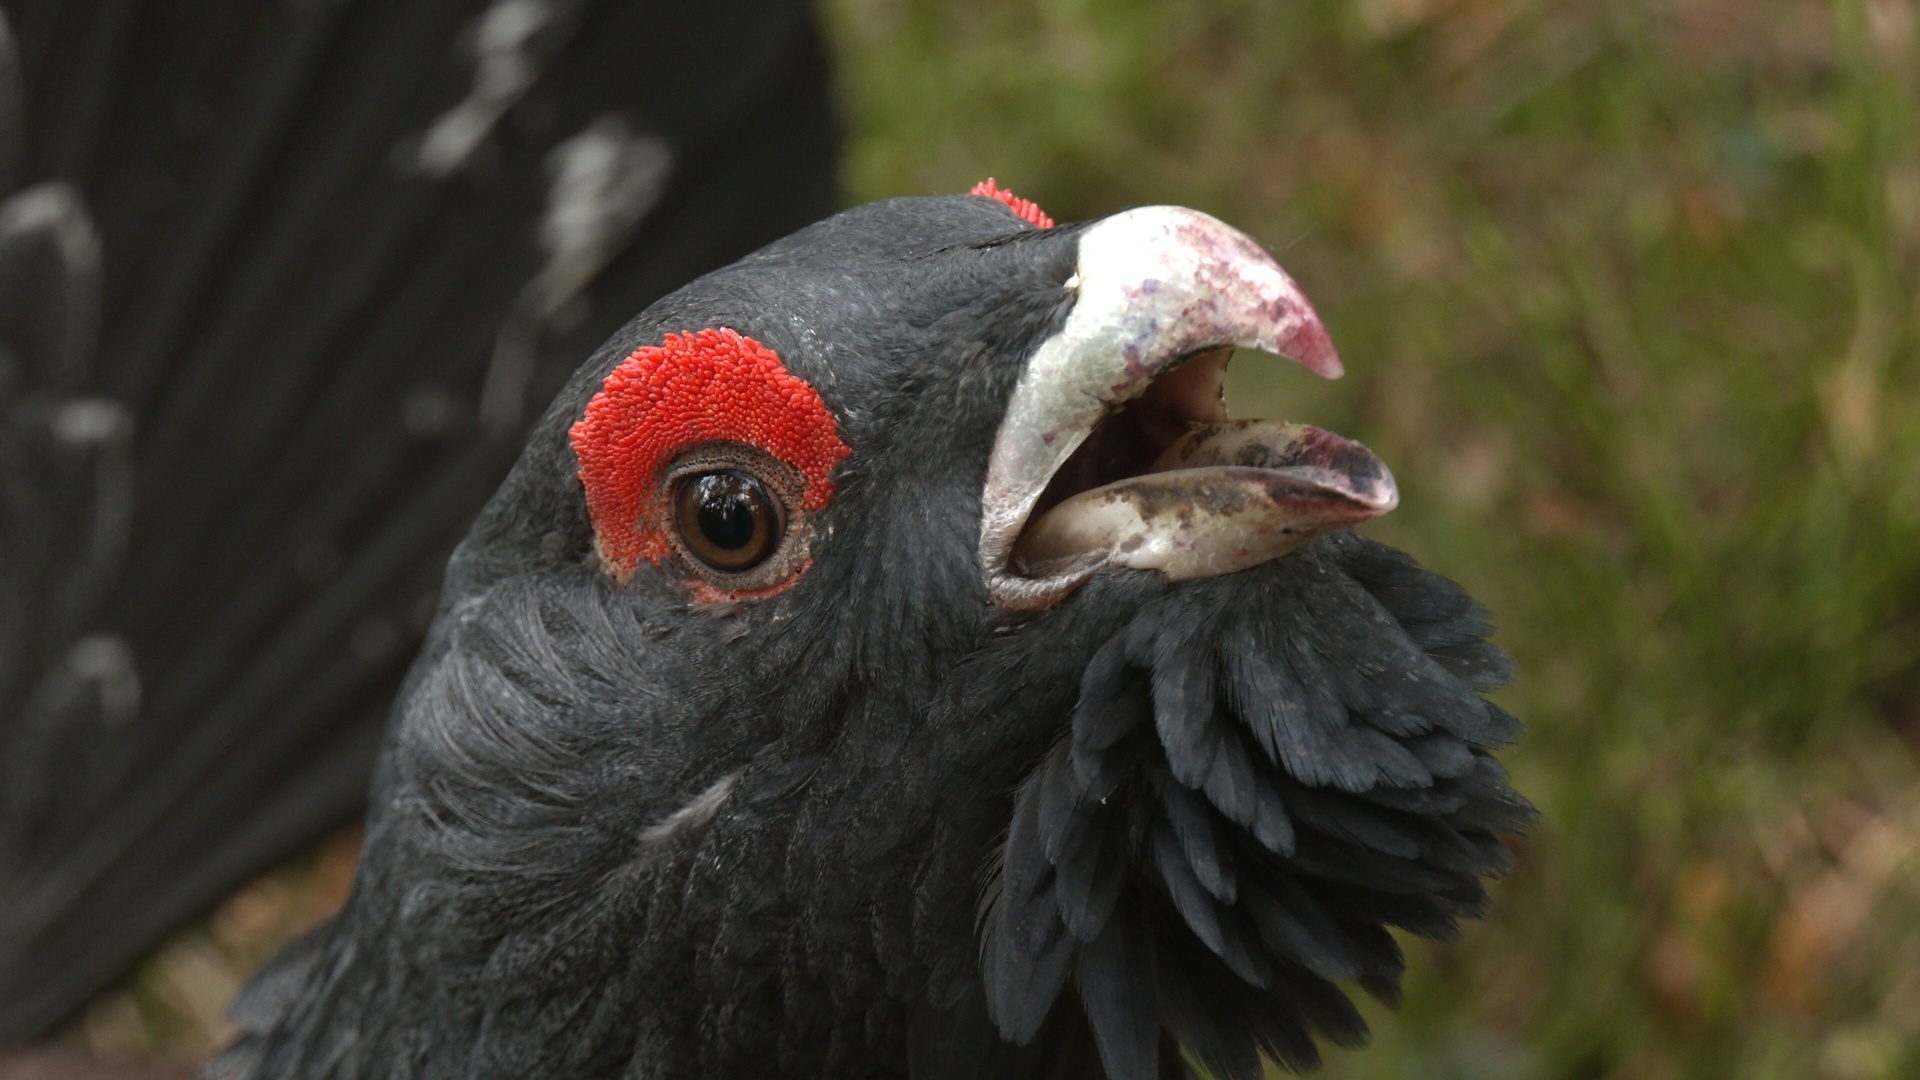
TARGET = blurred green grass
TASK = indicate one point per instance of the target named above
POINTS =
(1628, 294)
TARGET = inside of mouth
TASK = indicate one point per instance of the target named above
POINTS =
(1130, 439)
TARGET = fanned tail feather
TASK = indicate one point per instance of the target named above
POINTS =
(260, 265)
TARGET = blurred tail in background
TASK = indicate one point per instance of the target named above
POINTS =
(281, 286)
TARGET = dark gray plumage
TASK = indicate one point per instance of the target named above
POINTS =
(275, 279)
(876, 824)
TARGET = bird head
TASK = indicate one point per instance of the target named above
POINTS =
(954, 393)
(888, 654)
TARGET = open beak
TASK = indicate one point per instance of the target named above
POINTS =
(1116, 449)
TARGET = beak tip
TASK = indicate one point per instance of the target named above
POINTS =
(1381, 493)
(1310, 346)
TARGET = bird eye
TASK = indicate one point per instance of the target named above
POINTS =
(728, 519)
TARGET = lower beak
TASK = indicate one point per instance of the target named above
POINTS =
(1222, 498)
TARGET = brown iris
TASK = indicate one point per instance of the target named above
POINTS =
(727, 519)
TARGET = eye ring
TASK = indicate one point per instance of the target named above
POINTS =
(727, 519)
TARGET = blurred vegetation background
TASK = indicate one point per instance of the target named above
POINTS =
(1629, 295)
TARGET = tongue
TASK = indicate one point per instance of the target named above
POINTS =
(1222, 498)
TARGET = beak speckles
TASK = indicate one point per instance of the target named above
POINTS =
(1156, 287)
(1226, 497)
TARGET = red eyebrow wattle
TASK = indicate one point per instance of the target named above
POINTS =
(712, 385)
(1028, 210)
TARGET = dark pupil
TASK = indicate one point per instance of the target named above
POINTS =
(728, 503)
